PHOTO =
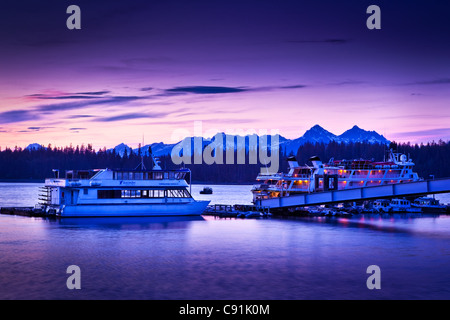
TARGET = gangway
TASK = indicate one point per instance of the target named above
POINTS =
(411, 189)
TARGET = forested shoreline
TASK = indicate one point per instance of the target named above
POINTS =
(35, 165)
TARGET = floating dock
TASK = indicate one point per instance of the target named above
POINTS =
(24, 211)
(236, 211)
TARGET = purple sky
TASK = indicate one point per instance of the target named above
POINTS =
(147, 68)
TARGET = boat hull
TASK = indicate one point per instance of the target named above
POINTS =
(194, 208)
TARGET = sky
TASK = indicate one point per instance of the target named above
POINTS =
(138, 71)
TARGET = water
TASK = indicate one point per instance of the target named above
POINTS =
(209, 258)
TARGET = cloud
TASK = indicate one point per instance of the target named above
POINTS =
(440, 132)
(220, 90)
(207, 89)
(17, 116)
(38, 128)
(129, 116)
(77, 128)
(77, 116)
(115, 100)
(96, 93)
(293, 87)
(64, 95)
(430, 82)
(321, 41)
(37, 111)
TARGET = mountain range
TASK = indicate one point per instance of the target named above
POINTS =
(316, 134)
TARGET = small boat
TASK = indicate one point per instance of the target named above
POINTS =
(249, 214)
(394, 205)
(403, 205)
(206, 190)
(428, 204)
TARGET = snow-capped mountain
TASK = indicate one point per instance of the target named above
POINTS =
(120, 149)
(315, 134)
(357, 134)
(34, 146)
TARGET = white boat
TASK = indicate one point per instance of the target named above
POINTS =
(428, 204)
(382, 205)
(120, 193)
(334, 175)
(403, 205)
(394, 206)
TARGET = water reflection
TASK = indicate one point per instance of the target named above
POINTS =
(171, 222)
(413, 224)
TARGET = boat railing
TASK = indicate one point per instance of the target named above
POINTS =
(149, 175)
(269, 175)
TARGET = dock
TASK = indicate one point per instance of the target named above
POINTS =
(411, 189)
(24, 211)
(237, 211)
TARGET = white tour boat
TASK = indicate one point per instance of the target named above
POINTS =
(124, 193)
(334, 175)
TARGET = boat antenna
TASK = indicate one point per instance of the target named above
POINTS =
(142, 165)
(142, 156)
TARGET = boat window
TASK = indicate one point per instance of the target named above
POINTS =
(178, 193)
(179, 175)
(157, 175)
(108, 194)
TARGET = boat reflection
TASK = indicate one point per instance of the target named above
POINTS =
(169, 222)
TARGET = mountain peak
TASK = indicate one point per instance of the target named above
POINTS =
(316, 127)
(35, 146)
(357, 134)
(319, 133)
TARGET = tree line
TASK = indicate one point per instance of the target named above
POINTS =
(37, 164)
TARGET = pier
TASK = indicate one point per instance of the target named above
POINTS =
(411, 189)
(237, 211)
(24, 211)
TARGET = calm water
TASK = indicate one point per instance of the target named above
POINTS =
(208, 258)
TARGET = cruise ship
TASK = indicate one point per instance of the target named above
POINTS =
(120, 193)
(334, 175)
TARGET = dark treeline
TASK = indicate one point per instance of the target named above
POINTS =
(23, 164)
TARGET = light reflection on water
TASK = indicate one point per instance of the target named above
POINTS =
(209, 258)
